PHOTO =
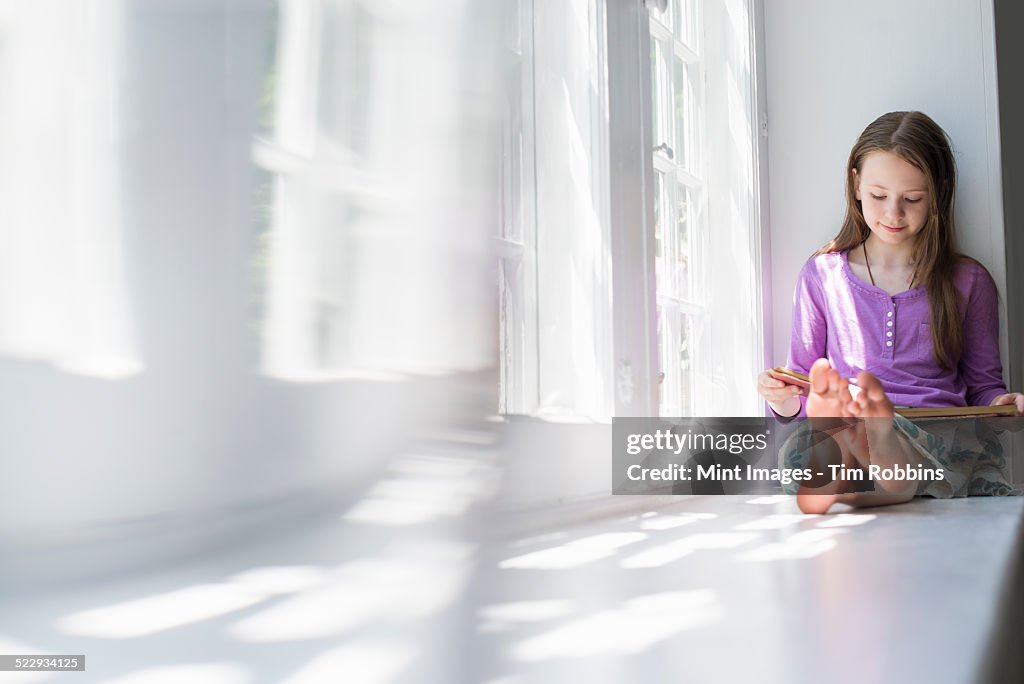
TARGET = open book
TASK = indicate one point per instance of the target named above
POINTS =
(792, 377)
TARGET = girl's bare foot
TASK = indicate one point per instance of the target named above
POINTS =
(828, 397)
(872, 401)
(883, 445)
(873, 440)
(829, 394)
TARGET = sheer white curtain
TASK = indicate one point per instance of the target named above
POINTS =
(573, 242)
(62, 282)
(734, 333)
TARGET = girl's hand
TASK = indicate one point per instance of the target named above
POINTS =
(1015, 398)
(783, 398)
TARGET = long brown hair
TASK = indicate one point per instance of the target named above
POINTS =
(921, 142)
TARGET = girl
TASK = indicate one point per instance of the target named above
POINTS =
(890, 301)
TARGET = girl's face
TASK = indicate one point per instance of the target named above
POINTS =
(893, 195)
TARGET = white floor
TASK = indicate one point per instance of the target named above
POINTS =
(376, 593)
(406, 586)
(740, 589)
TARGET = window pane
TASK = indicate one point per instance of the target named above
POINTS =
(664, 247)
(668, 361)
(663, 393)
(682, 103)
(685, 115)
(675, 354)
(659, 237)
(667, 17)
(684, 358)
(685, 25)
(661, 80)
(684, 227)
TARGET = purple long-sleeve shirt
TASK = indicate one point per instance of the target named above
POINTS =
(858, 326)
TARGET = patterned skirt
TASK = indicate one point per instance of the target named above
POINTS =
(969, 452)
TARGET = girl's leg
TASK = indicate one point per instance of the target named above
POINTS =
(878, 442)
(872, 440)
(826, 401)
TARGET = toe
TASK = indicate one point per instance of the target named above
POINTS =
(870, 384)
(819, 376)
(843, 388)
(834, 383)
(875, 401)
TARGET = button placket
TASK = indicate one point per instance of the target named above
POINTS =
(888, 328)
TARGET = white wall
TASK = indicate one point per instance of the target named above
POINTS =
(834, 67)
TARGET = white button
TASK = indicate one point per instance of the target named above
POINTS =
(889, 324)
(890, 314)
(889, 343)
(889, 334)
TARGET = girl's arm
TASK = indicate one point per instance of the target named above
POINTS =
(980, 366)
(808, 334)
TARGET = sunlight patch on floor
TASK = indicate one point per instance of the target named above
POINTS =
(160, 612)
(800, 546)
(366, 662)
(680, 548)
(632, 628)
(575, 553)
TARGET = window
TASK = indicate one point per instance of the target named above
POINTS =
(633, 288)
(680, 225)
(707, 236)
